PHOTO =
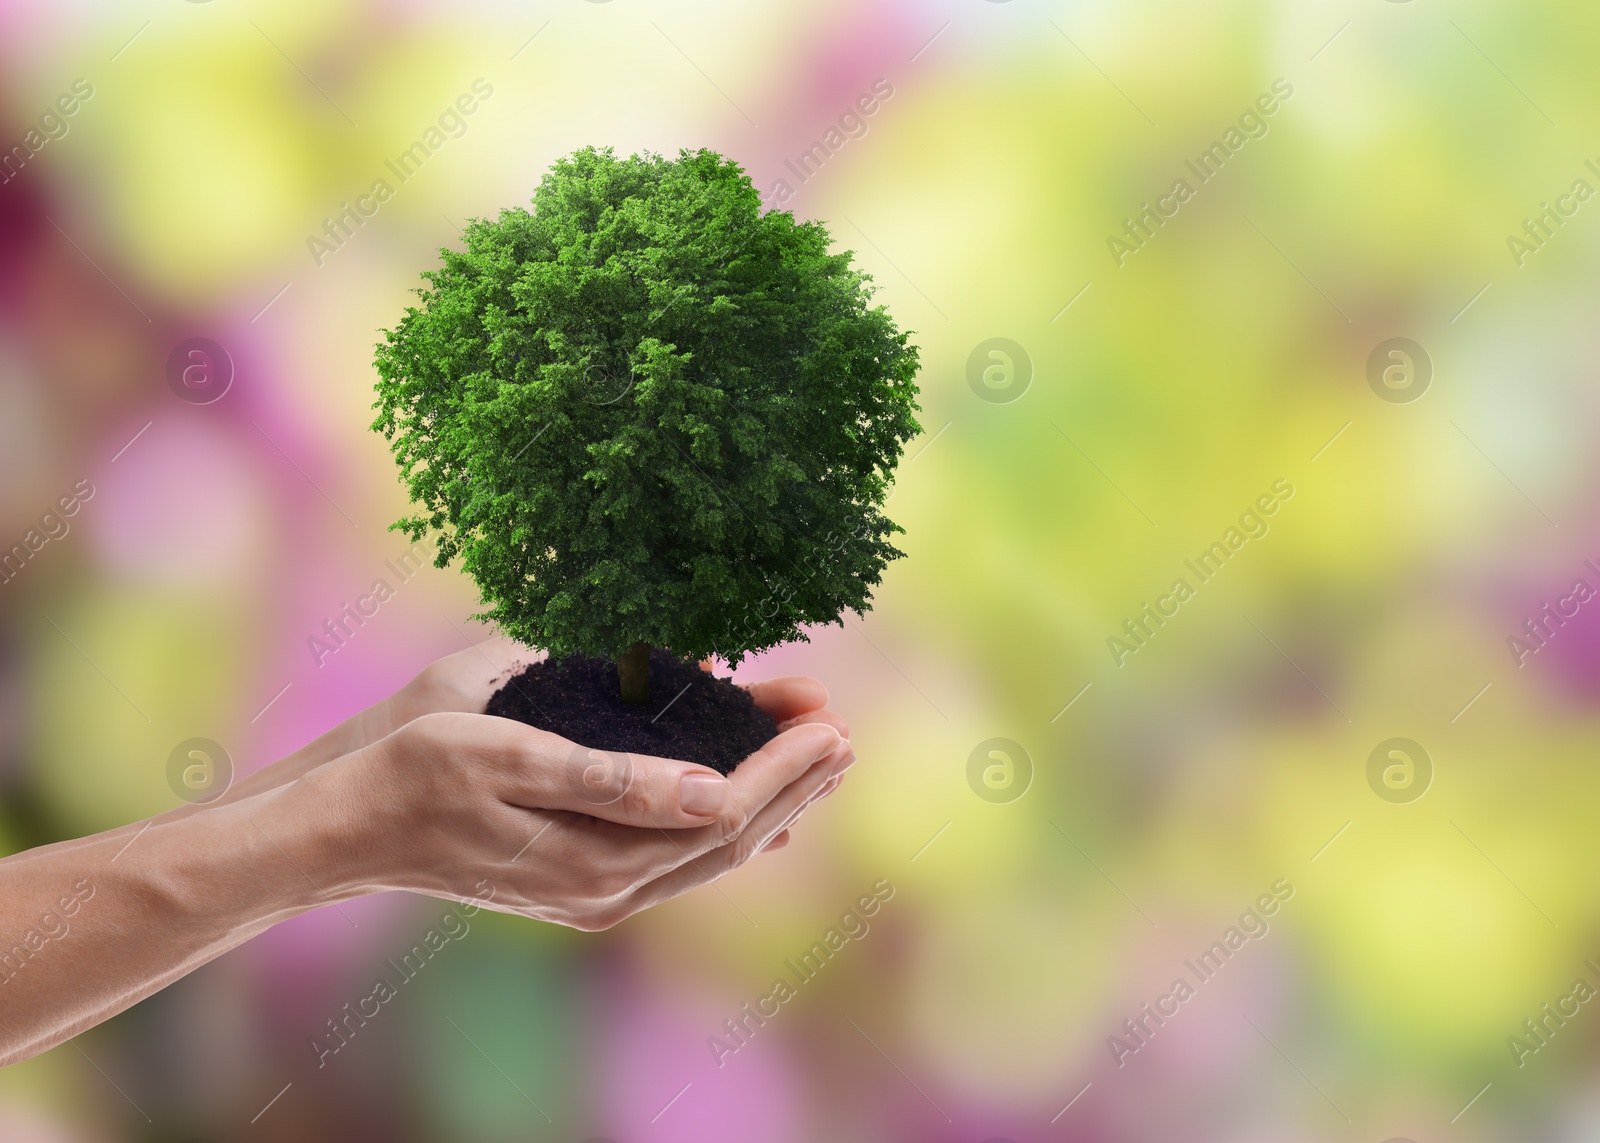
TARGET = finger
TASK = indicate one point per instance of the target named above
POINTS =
(830, 717)
(632, 858)
(503, 652)
(488, 660)
(779, 840)
(773, 819)
(827, 788)
(650, 856)
(537, 770)
(769, 773)
(463, 682)
(788, 697)
(636, 858)
(629, 789)
(796, 802)
(645, 791)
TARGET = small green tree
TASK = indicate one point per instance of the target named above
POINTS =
(647, 414)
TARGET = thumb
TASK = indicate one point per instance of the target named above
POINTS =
(633, 789)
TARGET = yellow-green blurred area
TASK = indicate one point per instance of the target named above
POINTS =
(1119, 378)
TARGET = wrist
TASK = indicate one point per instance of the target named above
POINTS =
(238, 867)
(341, 816)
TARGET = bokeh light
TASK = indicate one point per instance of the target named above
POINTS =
(1117, 379)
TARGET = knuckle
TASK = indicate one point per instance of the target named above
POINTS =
(441, 734)
(530, 754)
(744, 847)
(424, 730)
(423, 685)
(424, 740)
(427, 680)
(599, 777)
(731, 824)
(642, 800)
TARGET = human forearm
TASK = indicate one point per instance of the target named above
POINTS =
(359, 730)
(89, 931)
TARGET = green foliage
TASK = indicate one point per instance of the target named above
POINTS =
(648, 412)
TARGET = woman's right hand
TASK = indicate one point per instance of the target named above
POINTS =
(471, 807)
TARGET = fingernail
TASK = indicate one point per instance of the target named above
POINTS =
(704, 794)
(847, 761)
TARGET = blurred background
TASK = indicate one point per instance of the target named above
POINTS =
(1070, 798)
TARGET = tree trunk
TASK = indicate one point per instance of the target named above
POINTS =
(633, 669)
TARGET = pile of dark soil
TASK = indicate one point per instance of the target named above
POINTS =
(691, 715)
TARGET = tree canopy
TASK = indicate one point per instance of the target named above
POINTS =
(647, 412)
